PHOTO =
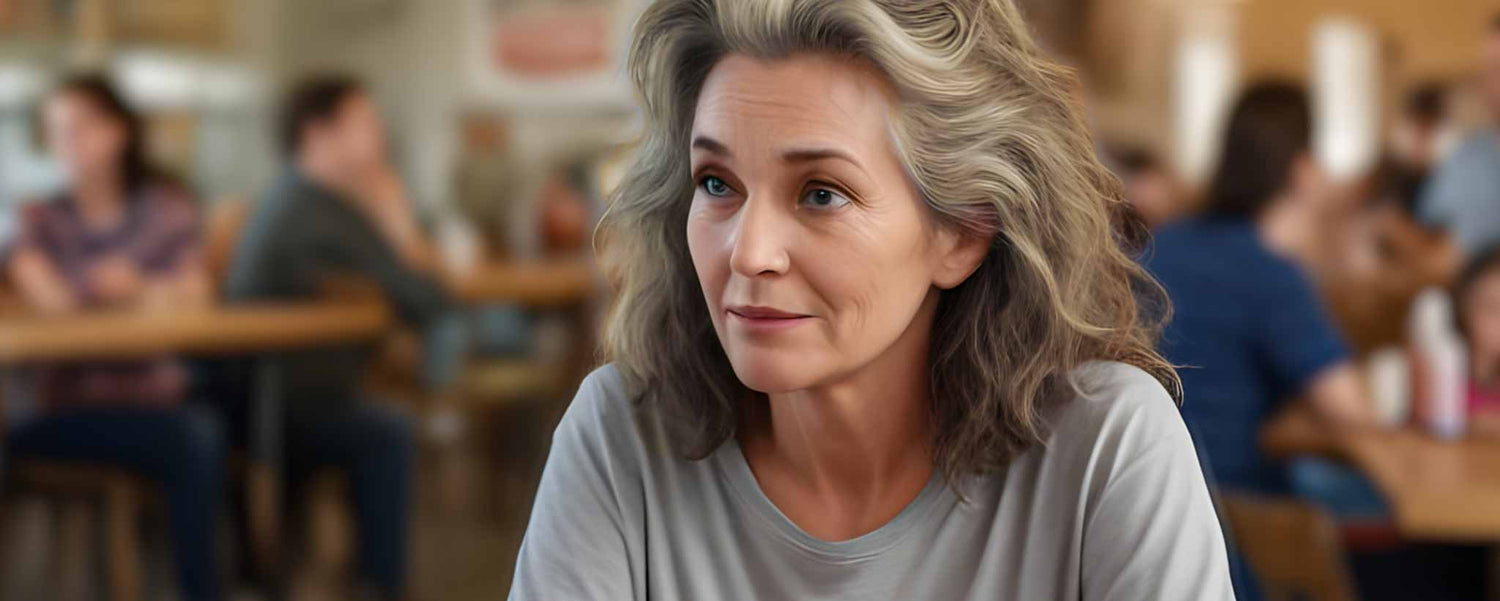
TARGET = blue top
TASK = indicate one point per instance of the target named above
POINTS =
(1463, 196)
(1248, 332)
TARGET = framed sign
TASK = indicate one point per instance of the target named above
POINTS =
(550, 52)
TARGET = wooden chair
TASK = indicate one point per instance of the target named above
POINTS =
(1292, 547)
(77, 485)
(119, 495)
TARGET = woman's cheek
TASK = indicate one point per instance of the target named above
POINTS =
(709, 259)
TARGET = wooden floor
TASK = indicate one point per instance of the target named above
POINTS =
(473, 497)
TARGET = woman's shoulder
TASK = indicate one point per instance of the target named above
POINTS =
(602, 396)
(602, 416)
(1116, 403)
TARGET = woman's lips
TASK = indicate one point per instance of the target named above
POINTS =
(765, 319)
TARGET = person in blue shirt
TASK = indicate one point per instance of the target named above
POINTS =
(1463, 196)
(1249, 329)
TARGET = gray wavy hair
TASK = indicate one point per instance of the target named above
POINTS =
(994, 137)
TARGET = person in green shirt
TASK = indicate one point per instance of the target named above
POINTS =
(339, 211)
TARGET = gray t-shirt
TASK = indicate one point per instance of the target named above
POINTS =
(1113, 506)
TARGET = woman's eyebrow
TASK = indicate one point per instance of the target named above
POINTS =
(711, 145)
(795, 155)
(803, 155)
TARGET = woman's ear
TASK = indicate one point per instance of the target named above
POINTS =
(959, 254)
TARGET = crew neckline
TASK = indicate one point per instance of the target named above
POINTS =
(735, 469)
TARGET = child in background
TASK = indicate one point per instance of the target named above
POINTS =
(1477, 295)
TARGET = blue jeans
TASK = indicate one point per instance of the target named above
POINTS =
(179, 448)
(375, 446)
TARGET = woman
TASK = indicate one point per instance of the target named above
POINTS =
(876, 337)
(119, 236)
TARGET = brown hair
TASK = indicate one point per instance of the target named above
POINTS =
(135, 170)
(992, 134)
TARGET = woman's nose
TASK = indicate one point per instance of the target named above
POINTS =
(759, 241)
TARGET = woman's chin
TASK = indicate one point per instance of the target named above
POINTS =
(771, 375)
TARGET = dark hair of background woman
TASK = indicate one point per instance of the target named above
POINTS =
(1270, 126)
(135, 169)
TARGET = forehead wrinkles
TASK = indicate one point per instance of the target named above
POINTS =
(820, 93)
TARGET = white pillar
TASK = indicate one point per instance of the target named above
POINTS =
(1205, 79)
(1346, 96)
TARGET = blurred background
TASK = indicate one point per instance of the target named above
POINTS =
(503, 124)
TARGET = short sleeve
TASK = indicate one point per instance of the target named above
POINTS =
(576, 542)
(1150, 529)
(1294, 335)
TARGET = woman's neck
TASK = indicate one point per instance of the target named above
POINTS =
(860, 444)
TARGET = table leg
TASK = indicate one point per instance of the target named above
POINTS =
(263, 478)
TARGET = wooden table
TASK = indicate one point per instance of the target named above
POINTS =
(224, 330)
(219, 330)
(563, 285)
(1438, 490)
(216, 330)
(537, 284)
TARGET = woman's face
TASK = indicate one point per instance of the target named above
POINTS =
(1483, 309)
(813, 247)
(86, 141)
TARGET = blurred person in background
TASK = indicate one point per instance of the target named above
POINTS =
(1249, 324)
(120, 236)
(1149, 185)
(1463, 196)
(340, 211)
(1478, 297)
(1249, 328)
(1422, 137)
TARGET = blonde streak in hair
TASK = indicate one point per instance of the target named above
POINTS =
(752, 25)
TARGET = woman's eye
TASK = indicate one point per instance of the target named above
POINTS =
(823, 198)
(714, 186)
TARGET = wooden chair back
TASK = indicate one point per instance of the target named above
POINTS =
(1291, 546)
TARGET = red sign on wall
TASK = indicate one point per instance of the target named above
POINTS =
(551, 41)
